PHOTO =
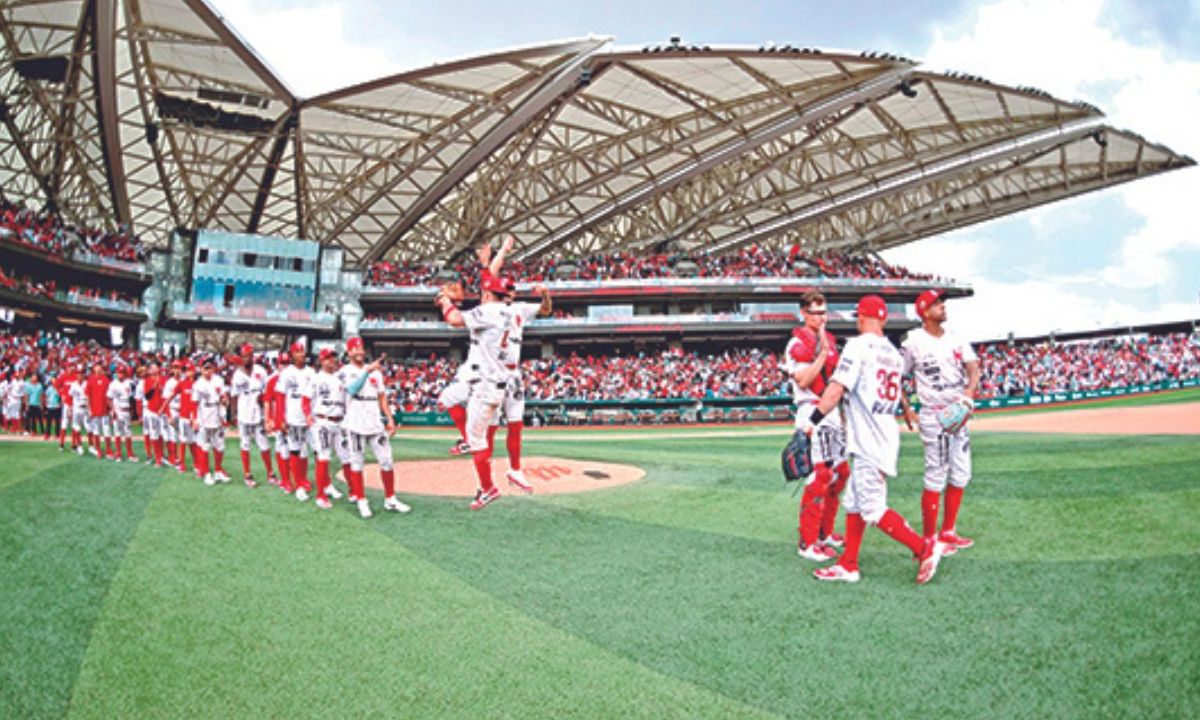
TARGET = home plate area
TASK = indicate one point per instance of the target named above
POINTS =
(547, 475)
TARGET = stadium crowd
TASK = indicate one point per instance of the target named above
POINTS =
(75, 294)
(749, 262)
(46, 231)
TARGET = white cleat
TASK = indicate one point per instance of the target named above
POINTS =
(517, 479)
(393, 505)
(79, 451)
(333, 492)
(222, 477)
(837, 573)
(132, 459)
(815, 552)
(324, 504)
(94, 452)
(209, 480)
(364, 509)
(929, 564)
(301, 494)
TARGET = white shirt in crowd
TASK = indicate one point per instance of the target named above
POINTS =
(248, 388)
(207, 395)
(870, 369)
(294, 385)
(362, 408)
(939, 365)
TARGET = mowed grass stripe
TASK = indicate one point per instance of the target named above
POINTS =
(65, 525)
(245, 604)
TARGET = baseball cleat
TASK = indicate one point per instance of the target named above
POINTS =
(273, 479)
(393, 505)
(209, 480)
(301, 494)
(324, 504)
(482, 499)
(250, 483)
(333, 492)
(816, 552)
(517, 479)
(79, 451)
(364, 509)
(460, 448)
(834, 540)
(837, 573)
(955, 540)
(132, 459)
(929, 560)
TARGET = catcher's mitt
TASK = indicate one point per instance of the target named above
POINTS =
(453, 291)
(797, 457)
(954, 416)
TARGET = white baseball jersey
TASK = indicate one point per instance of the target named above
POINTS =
(939, 365)
(870, 369)
(362, 409)
(328, 395)
(168, 390)
(492, 325)
(16, 391)
(207, 395)
(78, 393)
(248, 388)
(294, 385)
(119, 393)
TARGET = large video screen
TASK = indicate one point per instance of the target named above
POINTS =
(231, 270)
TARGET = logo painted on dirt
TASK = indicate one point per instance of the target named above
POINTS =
(547, 472)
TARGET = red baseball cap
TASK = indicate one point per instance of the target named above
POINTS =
(282, 357)
(354, 344)
(247, 349)
(926, 300)
(326, 353)
(498, 286)
(872, 306)
(297, 347)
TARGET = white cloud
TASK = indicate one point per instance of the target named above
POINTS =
(1066, 48)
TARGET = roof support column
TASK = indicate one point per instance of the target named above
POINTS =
(104, 44)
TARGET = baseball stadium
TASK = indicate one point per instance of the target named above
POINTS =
(573, 379)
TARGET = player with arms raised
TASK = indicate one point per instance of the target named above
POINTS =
(946, 370)
(867, 383)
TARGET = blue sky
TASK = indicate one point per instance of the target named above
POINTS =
(1125, 255)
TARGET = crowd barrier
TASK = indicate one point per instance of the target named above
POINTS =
(1076, 395)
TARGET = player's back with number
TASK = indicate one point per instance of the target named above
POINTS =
(870, 370)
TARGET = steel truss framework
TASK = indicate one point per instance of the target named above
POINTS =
(572, 147)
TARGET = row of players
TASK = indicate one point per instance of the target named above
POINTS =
(847, 403)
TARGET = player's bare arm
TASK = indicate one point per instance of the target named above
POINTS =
(497, 263)
(547, 305)
(385, 407)
(973, 374)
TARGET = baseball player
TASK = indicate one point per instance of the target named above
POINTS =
(185, 429)
(489, 324)
(867, 383)
(327, 398)
(368, 423)
(273, 410)
(454, 397)
(62, 384)
(170, 416)
(152, 412)
(292, 389)
(513, 406)
(810, 359)
(209, 423)
(946, 370)
(14, 403)
(96, 388)
(120, 394)
(249, 382)
(78, 405)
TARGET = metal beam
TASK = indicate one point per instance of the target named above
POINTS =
(736, 147)
(565, 80)
(104, 45)
(899, 182)
(217, 24)
(269, 172)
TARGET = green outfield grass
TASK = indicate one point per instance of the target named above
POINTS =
(129, 592)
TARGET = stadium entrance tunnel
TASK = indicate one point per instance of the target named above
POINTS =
(548, 476)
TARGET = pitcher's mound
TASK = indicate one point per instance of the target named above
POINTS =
(547, 475)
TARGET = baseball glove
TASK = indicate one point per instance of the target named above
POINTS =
(954, 416)
(797, 457)
(452, 291)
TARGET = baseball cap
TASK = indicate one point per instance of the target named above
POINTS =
(872, 306)
(926, 300)
(354, 344)
(247, 349)
(297, 347)
(326, 353)
(498, 286)
(282, 357)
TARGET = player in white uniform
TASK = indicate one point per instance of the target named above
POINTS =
(170, 417)
(293, 389)
(249, 383)
(14, 401)
(368, 423)
(946, 370)
(513, 406)
(867, 383)
(328, 398)
(489, 324)
(211, 400)
(79, 411)
(120, 395)
(809, 359)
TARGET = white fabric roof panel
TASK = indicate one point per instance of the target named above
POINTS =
(715, 148)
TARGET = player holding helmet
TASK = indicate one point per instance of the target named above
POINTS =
(946, 370)
(867, 383)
